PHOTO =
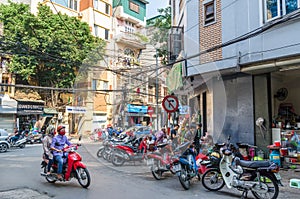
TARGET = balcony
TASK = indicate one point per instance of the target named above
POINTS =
(131, 40)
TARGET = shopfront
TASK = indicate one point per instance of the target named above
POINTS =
(8, 110)
(28, 112)
(137, 114)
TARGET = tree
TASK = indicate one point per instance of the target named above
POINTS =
(161, 34)
(47, 49)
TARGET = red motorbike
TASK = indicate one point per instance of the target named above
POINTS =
(72, 168)
(160, 161)
(125, 152)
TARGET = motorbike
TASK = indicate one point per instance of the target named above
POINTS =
(185, 165)
(21, 142)
(34, 138)
(125, 152)
(107, 146)
(72, 168)
(259, 177)
(160, 161)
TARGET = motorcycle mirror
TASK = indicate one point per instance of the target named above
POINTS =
(80, 137)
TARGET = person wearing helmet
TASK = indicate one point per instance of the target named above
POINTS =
(57, 145)
(48, 156)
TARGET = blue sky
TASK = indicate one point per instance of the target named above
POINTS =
(154, 5)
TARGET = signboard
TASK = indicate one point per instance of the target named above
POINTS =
(75, 109)
(30, 107)
(183, 110)
(150, 111)
(136, 109)
(170, 103)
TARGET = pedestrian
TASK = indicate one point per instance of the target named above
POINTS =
(174, 136)
(197, 138)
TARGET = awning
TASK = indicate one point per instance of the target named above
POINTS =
(49, 112)
(8, 105)
(174, 78)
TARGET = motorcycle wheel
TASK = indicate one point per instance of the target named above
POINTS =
(3, 147)
(100, 152)
(212, 180)
(83, 177)
(183, 178)
(22, 146)
(156, 172)
(117, 158)
(268, 189)
(107, 154)
(50, 179)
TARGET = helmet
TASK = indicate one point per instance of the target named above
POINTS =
(60, 130)
(52, 132)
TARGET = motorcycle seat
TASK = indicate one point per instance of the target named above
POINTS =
(253, 164)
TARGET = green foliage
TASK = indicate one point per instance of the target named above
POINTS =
(47, 49)
(160, 35)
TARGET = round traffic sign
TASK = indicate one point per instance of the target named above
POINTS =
(170, 103)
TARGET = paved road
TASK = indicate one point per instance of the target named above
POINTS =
(20, 168)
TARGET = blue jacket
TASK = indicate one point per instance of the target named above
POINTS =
(59, 143)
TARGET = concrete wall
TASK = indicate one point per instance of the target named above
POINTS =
(261, 109)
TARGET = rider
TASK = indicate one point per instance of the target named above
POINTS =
(47, 147)
(57, 145)
(16, 136)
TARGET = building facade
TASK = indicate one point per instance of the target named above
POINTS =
(248, 57)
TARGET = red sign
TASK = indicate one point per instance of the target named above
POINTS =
(170, 103)
(150, 110)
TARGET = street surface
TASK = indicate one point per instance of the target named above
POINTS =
(20, 169)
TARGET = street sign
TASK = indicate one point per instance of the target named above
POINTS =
(170, 103)
(150, 111)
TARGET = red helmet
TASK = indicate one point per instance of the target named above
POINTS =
(61, 130)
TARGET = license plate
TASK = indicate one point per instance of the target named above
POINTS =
(177, 167)
(150, 161)
(277, 175)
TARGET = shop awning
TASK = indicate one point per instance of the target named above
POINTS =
(8, 105)
(49, 112)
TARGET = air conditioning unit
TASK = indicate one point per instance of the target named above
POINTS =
(80, 14)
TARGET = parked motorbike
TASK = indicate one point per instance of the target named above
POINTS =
(160, 161)
(185, 165)
(72, 168)
(106, 149)
(125, 152)
(259, 177)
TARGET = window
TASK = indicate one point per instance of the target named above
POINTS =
(102, 6)
(134, 7)
(107, 8)
(105, 85)
(276, 8)
(94, 84)
(129, 27)
(209, 12)
(106, 34)
(101, 32)
(73, 4)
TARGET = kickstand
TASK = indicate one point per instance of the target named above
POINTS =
(244, 195)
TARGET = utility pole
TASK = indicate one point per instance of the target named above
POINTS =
(156, 88)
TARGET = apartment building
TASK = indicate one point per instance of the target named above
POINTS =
(247, 66)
